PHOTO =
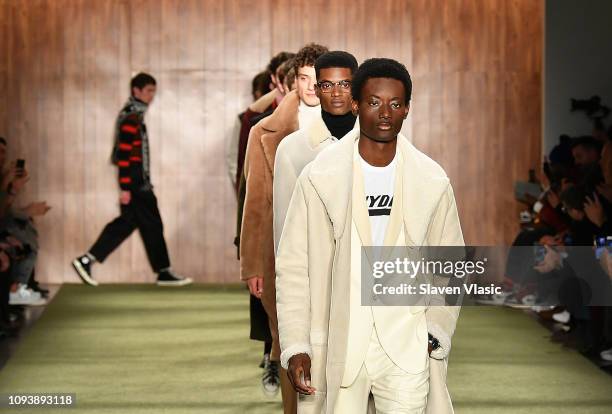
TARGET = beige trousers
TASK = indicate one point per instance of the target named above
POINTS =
(394, 390)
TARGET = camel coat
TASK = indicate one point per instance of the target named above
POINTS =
(256, 236)
(313, 265)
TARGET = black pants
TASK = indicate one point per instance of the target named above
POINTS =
(260, 328)
(5, 288)
(142, 214)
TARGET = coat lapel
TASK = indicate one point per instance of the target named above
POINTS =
(282, 122)
(331, 174)
(360, 210)
(421, 188)
(270, 142)
(318, 132)
(421, 192)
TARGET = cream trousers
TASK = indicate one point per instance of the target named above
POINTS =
(394, 390)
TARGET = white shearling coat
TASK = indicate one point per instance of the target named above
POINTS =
(313, 265)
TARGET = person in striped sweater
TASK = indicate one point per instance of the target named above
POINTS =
(138, 202)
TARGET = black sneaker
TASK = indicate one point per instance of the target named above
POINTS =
(35, 286)
(82, 265)
(167, 278)
(270, 379)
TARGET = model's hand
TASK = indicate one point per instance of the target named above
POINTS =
(256, 286)
(125, 197)
(299, 374)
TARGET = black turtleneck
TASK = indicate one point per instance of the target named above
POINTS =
(339, 125)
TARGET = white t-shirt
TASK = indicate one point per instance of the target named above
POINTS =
(306, 114)
(379, 183)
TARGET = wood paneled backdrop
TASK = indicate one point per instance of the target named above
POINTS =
(65, 66)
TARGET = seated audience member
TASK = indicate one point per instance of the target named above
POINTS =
(20, 232)
(586, 150)
(5, 287)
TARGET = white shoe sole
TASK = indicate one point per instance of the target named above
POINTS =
(182, 282)
(561, 317)
(269, 393)
(83, 274)
(41, 302)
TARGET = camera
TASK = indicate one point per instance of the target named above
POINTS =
(592, 107)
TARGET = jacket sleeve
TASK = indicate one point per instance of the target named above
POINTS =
(442, 318)
(129, 136)
(251, 234)
(284, 184)
(292, 280)
(231, 152)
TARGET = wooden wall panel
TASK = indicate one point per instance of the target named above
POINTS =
(476, 107)
(65, 66)
(4, 61)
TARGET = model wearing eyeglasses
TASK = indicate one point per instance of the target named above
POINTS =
(336, 350)
(297, 110)
(334, 71)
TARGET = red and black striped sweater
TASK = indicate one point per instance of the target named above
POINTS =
(131, 151)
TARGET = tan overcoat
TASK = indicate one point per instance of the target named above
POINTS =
(256, 235)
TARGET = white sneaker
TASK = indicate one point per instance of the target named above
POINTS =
(562, 317)
(270, 379)
(606, 355)
(542, 308)
(25, 296)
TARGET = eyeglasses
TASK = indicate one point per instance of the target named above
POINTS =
(327, 86)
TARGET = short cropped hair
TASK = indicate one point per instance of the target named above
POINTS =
(141, 80)
(261, 83)
(308, 55)
(336, 59)
(381, 68)
(277, 60)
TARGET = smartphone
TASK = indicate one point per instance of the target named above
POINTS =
(600, 246)
(20, 167)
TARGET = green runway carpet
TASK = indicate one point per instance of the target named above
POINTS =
(144, 349)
